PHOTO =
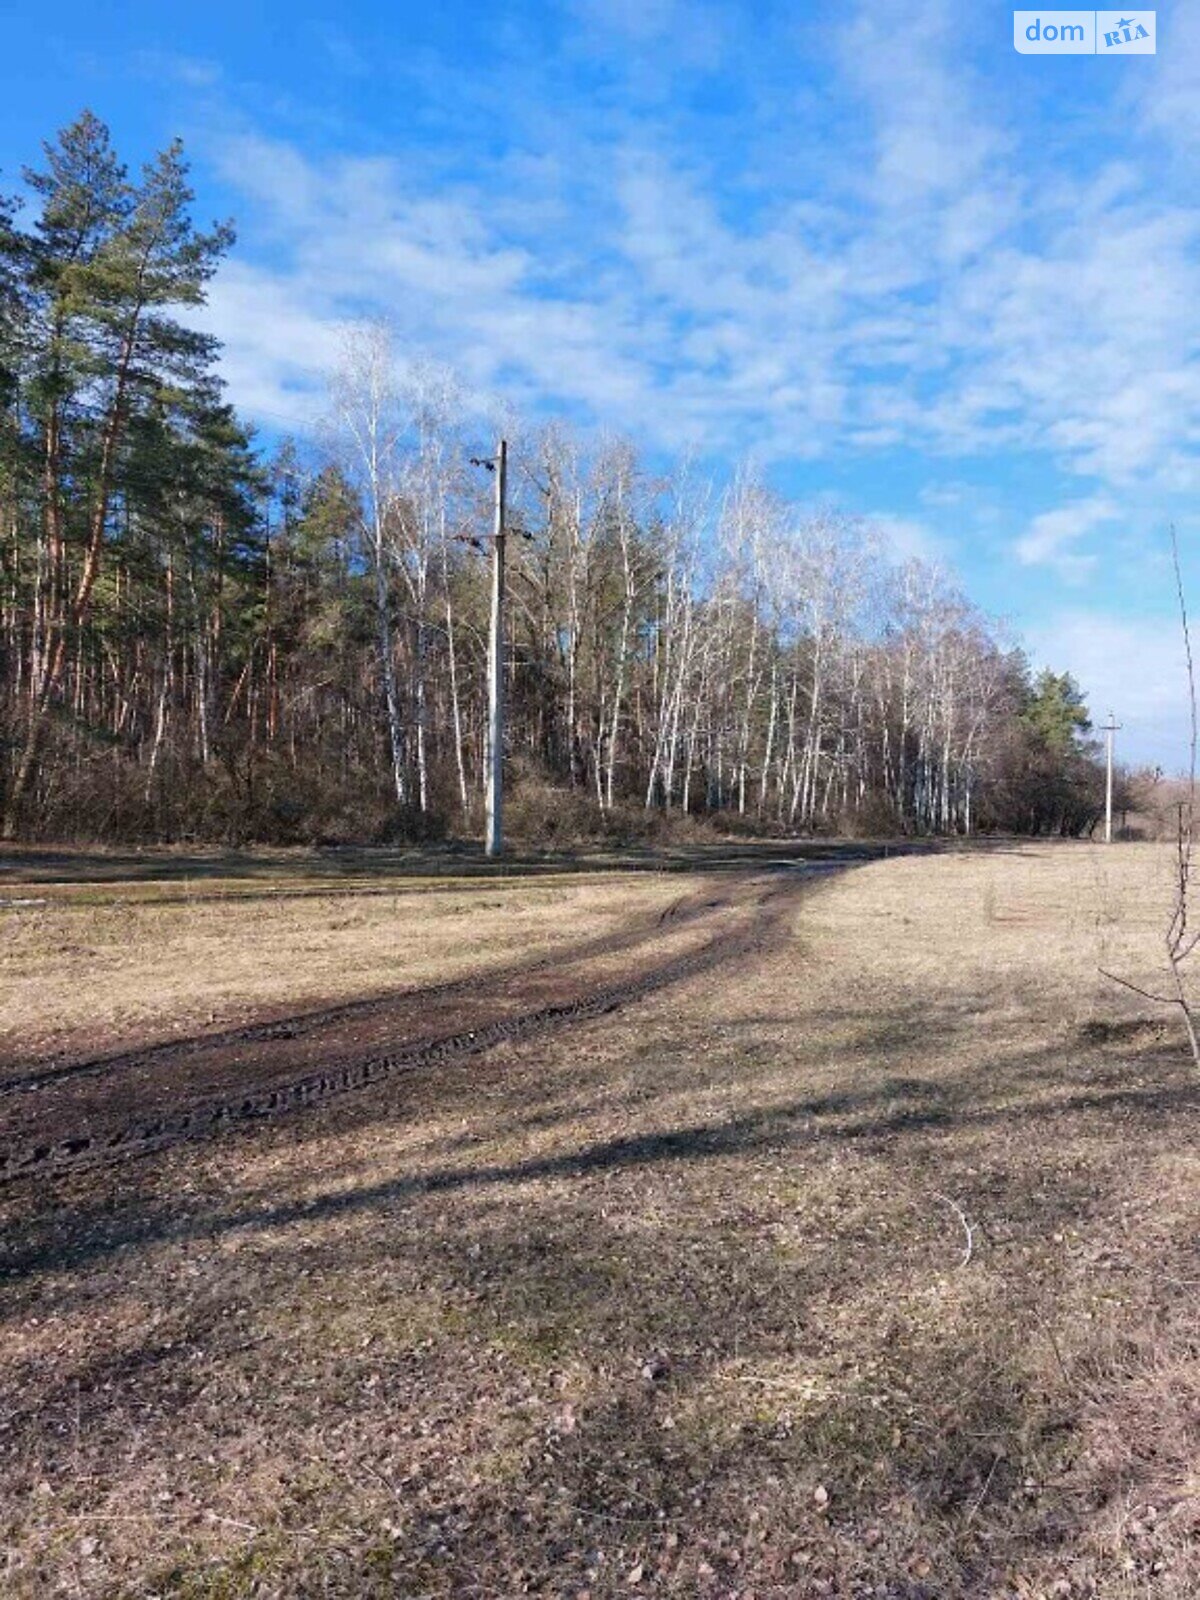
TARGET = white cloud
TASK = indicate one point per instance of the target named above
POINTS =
(1170, 98)
(908, 539)
(930, 142)
(277, 350)
(948, 494)
(193, 72)
(351, 238)
(688, 32)
(343, 53)
(1053, 537)
(913, 290)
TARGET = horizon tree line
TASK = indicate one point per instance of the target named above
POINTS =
(200, 638)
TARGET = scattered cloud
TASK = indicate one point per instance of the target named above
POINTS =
(278, 350)
(1053, 537)
(343, 54)
(1169, 102)
(914, 290)
(192, 72)
(909, 539)
(841, 248)
(693, 33)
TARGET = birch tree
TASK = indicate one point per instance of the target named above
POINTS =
(368, 426)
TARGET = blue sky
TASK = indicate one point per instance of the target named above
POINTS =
(867, 244)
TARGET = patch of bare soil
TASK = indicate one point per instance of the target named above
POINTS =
(57, 1116)
(864, 1264)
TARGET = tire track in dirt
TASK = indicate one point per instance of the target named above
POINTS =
(59, 1140)
(299, 1024)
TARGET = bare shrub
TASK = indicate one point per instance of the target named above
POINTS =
(1181, 938)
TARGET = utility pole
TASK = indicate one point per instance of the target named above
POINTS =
(1109, 728)
(495, 754)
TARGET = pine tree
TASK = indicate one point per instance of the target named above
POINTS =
(112, 263)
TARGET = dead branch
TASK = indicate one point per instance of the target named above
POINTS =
(1181, 942)
(1159, 999)
(982, 1495)
(967, 1228)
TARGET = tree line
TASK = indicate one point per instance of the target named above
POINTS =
(203, 638)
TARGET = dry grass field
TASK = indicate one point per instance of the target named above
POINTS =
(79, 970)
(863, 1260)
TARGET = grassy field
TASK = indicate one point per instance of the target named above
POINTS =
(83, 968)
(866, 1265)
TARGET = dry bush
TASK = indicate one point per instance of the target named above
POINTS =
(874, 819)
(1154, 803)
(540, 814)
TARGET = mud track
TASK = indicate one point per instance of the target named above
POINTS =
(58, 1117)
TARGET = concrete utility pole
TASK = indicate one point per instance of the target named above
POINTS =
(1109, 728)
(495, 754)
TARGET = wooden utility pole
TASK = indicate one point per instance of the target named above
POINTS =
(1109, 728)
(495, 767)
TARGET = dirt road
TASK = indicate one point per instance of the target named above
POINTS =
(62, 1115)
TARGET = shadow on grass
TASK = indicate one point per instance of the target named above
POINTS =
(876, 1116)
(918, 1421)
(924, 1414)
